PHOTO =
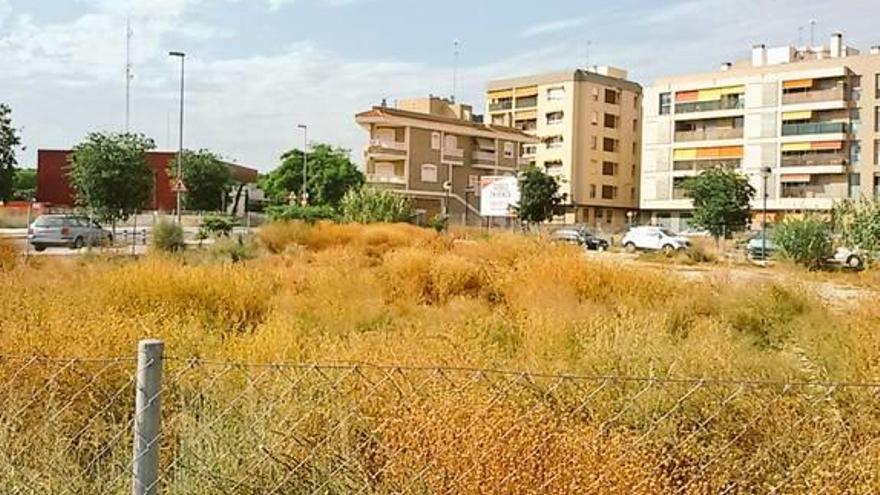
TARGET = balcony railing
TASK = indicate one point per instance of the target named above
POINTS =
(484, 156)
(805, 191)
(500, 105)
(709, 134)
(830, 94)
(456, 153)
(386, 179)
(527, 102)
(701, 165)
(388, 145)
(814, 128)
(708, 106)
(679, 194)
(816, 160)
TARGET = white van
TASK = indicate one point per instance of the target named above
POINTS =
(653, 239)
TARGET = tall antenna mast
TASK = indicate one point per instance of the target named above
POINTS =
(128, 74)
(800, 42)
(456, 51)
(812, 33)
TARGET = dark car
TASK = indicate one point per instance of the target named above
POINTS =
(579, 237)
(760, 249)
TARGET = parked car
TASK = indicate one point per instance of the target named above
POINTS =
(580, 237)
(757, 249)
(855, 259)
(66, 230)
(654, 239)
(694, 232)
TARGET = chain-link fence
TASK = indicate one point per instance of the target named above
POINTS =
(66, 426)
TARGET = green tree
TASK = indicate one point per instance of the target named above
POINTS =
(331, 174)
(858, 224)
(110, 175)
(540, 198)
(10, 142)
(721, 200)
(207, 180)
(368, 205)
(24, 184)
(806, 241)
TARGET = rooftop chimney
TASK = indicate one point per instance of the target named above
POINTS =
(837, 49)
(875, 50)
(725, 66)
(759, 55)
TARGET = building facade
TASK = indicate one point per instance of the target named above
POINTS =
(425, 144)
(54, 189)
(804, 119)
(589, 126)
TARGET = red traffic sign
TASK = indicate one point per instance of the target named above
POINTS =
(179, 186)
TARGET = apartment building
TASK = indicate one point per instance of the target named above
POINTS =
(806, 119)
(589, 126)
(435, 151)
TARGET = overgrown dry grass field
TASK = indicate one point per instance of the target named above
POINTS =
(698, 402)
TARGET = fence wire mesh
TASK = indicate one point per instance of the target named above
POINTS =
(228, 428)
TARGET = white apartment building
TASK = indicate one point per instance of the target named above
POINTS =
(807, 118)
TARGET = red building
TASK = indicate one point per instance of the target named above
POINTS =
(53, 186)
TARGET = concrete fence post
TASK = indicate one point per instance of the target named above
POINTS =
(145, 463)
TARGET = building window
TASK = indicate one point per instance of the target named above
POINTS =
(611, 121)
(876, 119)
(595, 94)
(877, 152)
(554, 142)
(435, 140)
(450, 142)
(555, 94)
(609, 216)
(609, 168)
(632, 171)
(592, 190)
(594, 142)
(632, 193)
(595, 118)
(665, 103)
(635, 148)
(612, 96)
(508, 150)
(429, 173)
(384, 169)
(609, 144)
(600, 213)
(635, 102)
(635, 125)
(555, 118)
(474, 182)
(855, 186)
(855, 152)
(609, 192)
(876, 85)
(553, 167)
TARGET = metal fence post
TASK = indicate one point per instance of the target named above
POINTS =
(145, 464)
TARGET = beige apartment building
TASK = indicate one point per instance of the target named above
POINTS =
(425, 144)
(589, 126)
(806, 119)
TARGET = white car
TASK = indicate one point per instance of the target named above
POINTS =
(654, 239)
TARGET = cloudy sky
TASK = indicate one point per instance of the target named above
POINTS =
(257, 68)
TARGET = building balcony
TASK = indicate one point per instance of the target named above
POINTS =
(454, 156)
(525, 161)
(701, 165)
(709, 134)
(709, 106)
(814, 128)
(394, 180)
(484, 157)
(813, 96)
(815, 160)
(527, 102)
(500, 106)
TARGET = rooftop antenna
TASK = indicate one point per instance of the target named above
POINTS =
(456, 51)
(812, 33)
(589, 45)
(128, 74)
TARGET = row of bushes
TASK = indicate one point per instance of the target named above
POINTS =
(357, 206)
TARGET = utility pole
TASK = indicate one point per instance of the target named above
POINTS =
(812, 33)
(456, 51)
(129, 75)
(179, 182)
(765, 175)
(305, 192)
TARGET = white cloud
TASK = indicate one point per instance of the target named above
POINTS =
(552, 27)
(5, 10)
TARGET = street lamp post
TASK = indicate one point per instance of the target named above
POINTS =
(305, 192)
(178, 182)
(765, 174)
